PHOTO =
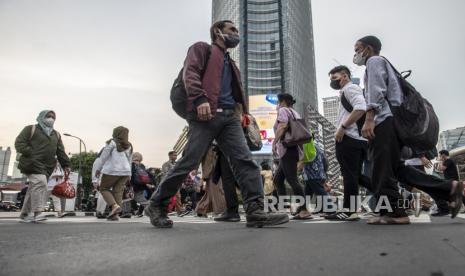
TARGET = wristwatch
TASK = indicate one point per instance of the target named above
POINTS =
(344, 127)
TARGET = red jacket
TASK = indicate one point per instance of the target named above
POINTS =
(207, 88)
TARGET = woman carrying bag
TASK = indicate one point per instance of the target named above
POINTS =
(288, 147)
(115, 167)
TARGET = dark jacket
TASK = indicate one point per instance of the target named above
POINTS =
(39, 153)
(207, 88)
(136, 185)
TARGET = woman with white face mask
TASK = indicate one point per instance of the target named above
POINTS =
(38, 147)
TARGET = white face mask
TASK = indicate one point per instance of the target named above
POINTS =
(49, 122)
(359, 59)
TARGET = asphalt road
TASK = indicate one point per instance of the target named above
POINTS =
(85, 246)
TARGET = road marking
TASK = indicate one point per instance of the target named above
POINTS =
(423, 218)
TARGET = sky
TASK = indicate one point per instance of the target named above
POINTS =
(104, 63)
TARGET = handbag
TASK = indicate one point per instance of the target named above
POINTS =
(252, 135)
(297, 132)
(64, 189)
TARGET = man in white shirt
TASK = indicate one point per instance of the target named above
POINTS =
(351, 147)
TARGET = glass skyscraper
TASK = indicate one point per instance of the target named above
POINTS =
(276, 53)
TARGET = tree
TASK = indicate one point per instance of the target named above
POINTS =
(86, 173)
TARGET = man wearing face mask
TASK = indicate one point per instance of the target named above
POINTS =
(351, 147)
(214, 89)
(384, 95)
(38, 147)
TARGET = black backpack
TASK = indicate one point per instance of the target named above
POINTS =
(347, 106)
(416, 123)
(178, 94)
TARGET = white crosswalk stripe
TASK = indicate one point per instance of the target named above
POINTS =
(423, 218)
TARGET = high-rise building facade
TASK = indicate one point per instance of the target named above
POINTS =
(276, 53)
(331, 108)
(452, 139)
(5, 156)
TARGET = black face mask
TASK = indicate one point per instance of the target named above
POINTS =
(231, 40)
(335, 84)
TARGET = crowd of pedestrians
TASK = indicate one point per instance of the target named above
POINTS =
(217, 172)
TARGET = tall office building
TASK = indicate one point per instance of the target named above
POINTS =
(452, 139)
(276, 53)
(331, 108)
(4, 163)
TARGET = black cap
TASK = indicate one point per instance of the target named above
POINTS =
(372, 41)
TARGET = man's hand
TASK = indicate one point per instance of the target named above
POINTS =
(368, 130)
(204, 112)
(300, 166)
(427, 163)
(67, 170)
(340, 134)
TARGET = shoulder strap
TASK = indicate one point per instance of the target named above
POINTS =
(33, 130)
(346, 104)
(58, 135)
(399, 74)
(291, 112)
(206, 60)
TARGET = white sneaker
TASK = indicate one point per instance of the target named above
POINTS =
(26, 218)
(40, 218)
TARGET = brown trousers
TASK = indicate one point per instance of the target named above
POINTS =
(112, 188)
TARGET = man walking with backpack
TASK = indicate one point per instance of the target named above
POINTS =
(213, 86)
(384, 95)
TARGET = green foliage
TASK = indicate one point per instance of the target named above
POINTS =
(86, 169)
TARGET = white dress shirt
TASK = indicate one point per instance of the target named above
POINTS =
(354, 96)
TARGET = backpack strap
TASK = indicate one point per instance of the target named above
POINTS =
(33, 130)
(346, 104)
(58, 135)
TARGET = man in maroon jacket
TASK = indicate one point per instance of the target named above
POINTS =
(214, 88)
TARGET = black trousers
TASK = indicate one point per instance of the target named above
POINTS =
(388, 170)
(351, 153)
(229, 186)
(287, 170)
(226, 129)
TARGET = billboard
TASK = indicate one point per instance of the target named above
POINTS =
(263, 108)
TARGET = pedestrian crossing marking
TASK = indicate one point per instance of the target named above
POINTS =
(423, 218)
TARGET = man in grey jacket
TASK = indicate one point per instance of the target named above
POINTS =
(384, 96)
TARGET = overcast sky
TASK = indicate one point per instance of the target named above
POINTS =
(104, 63)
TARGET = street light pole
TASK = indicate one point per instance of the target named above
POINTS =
(79, 184)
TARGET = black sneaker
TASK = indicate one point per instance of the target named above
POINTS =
(185, 213)
(343, 216)
(229, 217)
(440, 213)
(126, 215)
(158, 216)
(100, 215)
(256, 216)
